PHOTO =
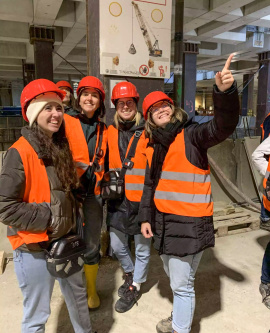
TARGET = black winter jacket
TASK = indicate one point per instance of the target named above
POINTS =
(123, 214)
(184, 235)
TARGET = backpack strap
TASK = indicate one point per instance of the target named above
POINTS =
(99, 153)
(127, 163)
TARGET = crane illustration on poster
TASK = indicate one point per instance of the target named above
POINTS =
(135, 38)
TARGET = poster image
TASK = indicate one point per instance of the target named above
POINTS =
(135, 38)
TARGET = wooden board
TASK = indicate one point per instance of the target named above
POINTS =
(236, 224)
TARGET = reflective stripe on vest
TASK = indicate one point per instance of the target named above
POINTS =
(79, 148)
(183, 197)
(185, 177)
(134, 178)
(37, 189)
(183, 189)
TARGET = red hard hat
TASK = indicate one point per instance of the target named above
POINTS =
(91, 82)
(64, 84)
(35, 88)
(123, 90)
(152, 98)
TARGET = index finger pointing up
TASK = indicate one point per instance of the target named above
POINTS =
(228, 62)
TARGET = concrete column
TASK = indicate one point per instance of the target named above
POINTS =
(178, 52)
(247, 93)
(189, 78)
(43, 39)
(263, 99)
(43, 60)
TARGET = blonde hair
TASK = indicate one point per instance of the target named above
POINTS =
(117, 119)
(178, 114)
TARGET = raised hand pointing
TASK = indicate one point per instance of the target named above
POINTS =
(225, 79)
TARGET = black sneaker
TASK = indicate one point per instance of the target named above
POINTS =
(165, 325)
(265, 292)
(265, 225)
(126, 302)
(128, 277)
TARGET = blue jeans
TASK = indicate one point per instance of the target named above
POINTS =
(181, 271)
(119, 244)
(265, 278)
(265, 214)
(37, 284)
(93, 215)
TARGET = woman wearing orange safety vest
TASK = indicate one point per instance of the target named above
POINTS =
(69, 100)
(87, 137)
(176, 205)
(128, 128)
(37, 205)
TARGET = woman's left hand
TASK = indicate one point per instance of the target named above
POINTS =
(225, 79)
(146, 229)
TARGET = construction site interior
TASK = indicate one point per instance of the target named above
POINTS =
(227, 281)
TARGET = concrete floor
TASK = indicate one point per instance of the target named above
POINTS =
(227, 284)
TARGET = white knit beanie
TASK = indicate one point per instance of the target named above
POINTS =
(38, 104)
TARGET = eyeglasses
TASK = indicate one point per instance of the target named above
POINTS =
(122, 104)
(159, 108)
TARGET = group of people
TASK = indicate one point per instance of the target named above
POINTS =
(158, 159)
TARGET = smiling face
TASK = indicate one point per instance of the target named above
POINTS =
(161, 113)
(126, 108)
(89, 101)
(50, 118)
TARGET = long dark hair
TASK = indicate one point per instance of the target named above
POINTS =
(58, 151)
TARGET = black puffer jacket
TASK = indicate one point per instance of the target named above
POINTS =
(122, 214)
(184, 235)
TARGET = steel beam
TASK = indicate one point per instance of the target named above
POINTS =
(189, 78)
(178, 51)
(43, 39)
(263, 96)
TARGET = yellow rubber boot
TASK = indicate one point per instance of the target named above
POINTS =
(91, 277)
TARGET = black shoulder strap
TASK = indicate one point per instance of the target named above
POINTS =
(127, 163)
(99, 153)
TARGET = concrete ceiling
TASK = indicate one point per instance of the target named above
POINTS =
(218, 26)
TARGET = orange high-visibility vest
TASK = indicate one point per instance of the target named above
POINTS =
(37, 189)
(183, 189)
(134, 178)
(266, 202)
(79, 148)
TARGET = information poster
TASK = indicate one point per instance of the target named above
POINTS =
(135, 38)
